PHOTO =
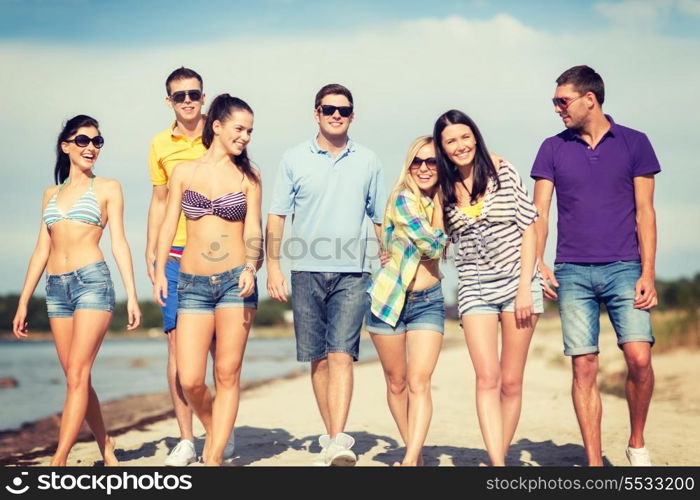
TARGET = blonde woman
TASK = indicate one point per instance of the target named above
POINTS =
(406, 319)
(79, 290)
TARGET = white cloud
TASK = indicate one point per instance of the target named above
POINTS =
(644, 15)
(691, 7)
(402, 75)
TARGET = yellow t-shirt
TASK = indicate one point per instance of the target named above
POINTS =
(167, 150)
(472, 211)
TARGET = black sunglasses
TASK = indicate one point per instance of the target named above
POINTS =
(329, 110)
(431, 163)
(82, 141)
(564, 102)
(179, 96)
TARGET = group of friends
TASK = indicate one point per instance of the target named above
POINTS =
(205, 245)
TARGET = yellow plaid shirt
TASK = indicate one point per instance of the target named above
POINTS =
(408, 237)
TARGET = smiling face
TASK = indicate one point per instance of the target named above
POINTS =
(334, 125)
(189, 109)
(423, 169)
(459, 144)
(235, 131)
(82, 157)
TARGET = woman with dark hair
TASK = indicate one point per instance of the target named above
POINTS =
(79, 291)
(220, 195)
(489, 218)
(406, 318)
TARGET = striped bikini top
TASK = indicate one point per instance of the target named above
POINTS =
(86, 209)
(231, 206)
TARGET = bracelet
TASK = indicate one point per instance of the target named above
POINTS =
(250, 267)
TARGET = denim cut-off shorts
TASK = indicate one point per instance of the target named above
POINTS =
(583, 287)
(202, 294)
(328, 312)
(89, 287)
(423, 310)
(484, 307)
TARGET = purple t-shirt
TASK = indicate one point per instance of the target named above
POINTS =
(595, 191)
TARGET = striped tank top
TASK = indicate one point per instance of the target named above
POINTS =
(86, 209)
(488, 245)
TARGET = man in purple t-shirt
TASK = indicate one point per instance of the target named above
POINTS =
(606, 248)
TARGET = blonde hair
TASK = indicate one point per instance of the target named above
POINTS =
(406, 181)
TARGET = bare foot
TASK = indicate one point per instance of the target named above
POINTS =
(110, 459)
(413, 463)
(396, 464)
(482, 464)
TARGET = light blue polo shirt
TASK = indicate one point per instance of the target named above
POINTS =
(329, 198)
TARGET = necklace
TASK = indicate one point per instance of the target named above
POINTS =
(469, 193)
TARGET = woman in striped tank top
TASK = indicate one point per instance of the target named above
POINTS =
(79, 292)
(489, 218)
(220, 195)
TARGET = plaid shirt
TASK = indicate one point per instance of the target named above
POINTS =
(408, 237)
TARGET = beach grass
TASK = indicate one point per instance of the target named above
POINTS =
(676, 328)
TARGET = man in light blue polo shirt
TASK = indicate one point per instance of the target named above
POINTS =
(329, 185)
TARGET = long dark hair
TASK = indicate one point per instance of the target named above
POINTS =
(62, 168)
(448, 172)
(221, 108)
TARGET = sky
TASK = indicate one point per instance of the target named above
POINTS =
(406, 62)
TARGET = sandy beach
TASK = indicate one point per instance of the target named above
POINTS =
(278, 422)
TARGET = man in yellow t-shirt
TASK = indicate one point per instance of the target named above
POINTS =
(182, 141)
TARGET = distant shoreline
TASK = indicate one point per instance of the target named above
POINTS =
(39, 438)
(267, 332)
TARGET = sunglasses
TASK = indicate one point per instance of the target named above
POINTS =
(564, 102)
(179, 96)
(329, 110)
(82, 141)
(431, 163)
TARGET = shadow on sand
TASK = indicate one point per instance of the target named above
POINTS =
(254, 444)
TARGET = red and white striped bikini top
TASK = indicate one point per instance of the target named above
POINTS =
(231, 206)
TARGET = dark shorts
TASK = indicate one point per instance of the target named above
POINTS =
(172, 273)
(423, 310)
(88, 287)
(202, 294)
(583, 287)
(328, 312)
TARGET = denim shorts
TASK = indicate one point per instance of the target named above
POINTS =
(172, 274)
(88, 287)
(423, 310)
(328, 312)
(201, 294)
(509, 306)
(583, 287)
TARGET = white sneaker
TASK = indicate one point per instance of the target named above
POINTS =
(324, 440)
(229, 449)
(638, 457)
(340, 453)
(183, 454)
